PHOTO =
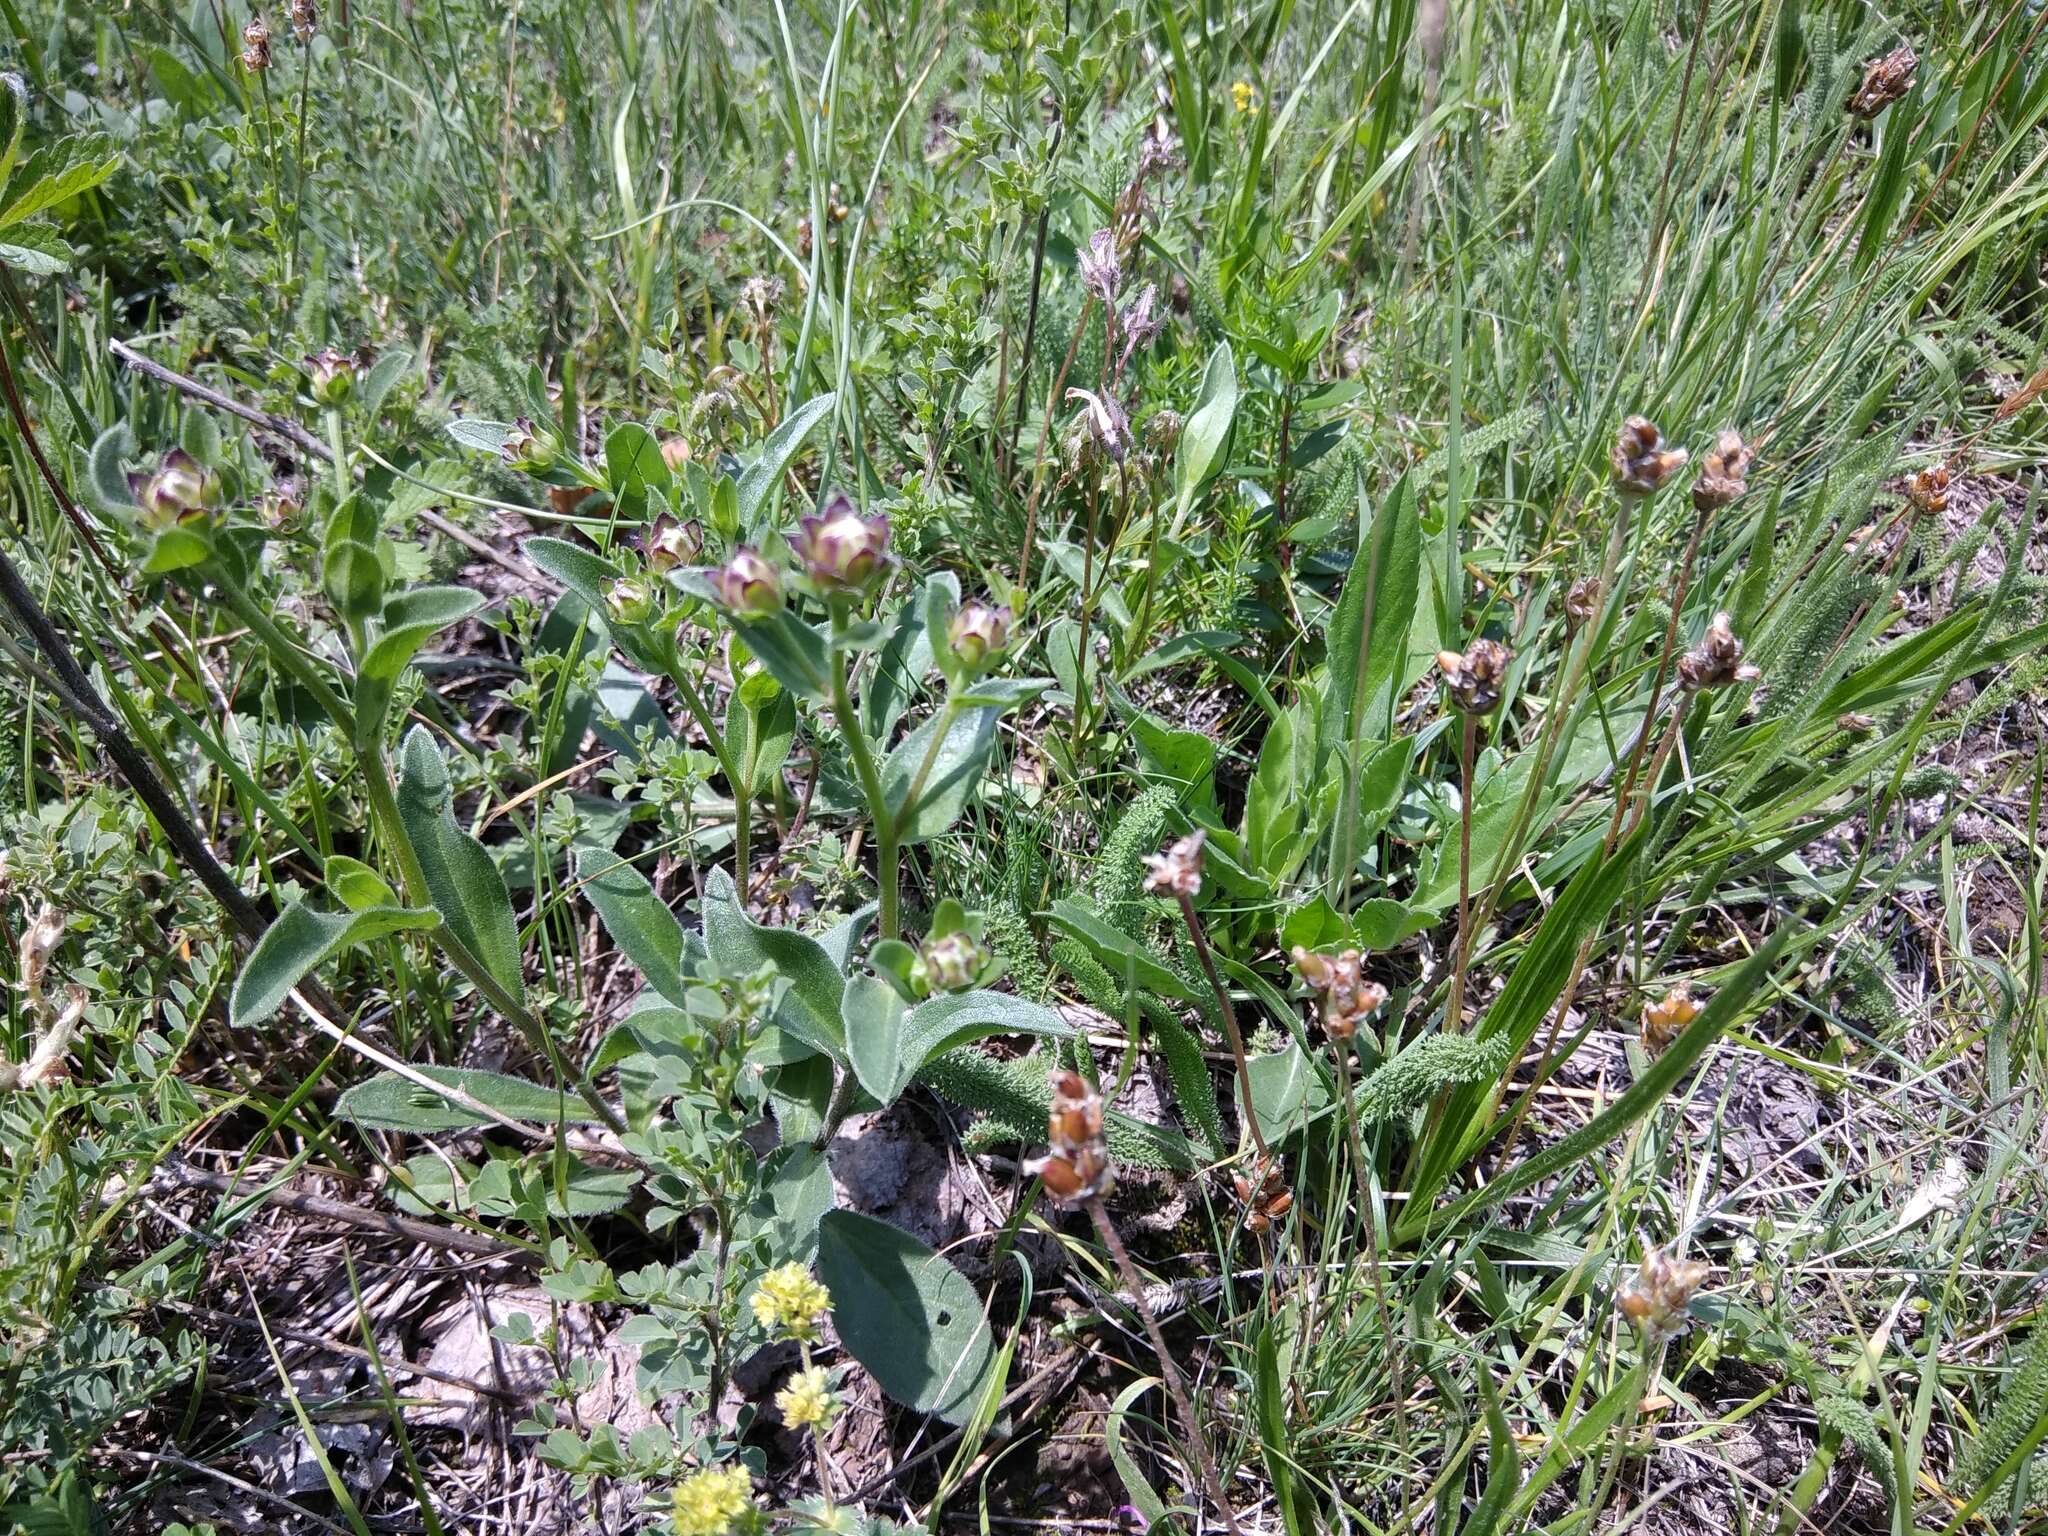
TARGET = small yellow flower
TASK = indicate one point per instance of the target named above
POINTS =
(790, 1303)
(719, 1501)
(1246, 98)
(807, 1402)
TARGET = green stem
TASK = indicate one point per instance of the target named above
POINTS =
(337, 441)
(931, 755)
(742, 819)
(887, 833)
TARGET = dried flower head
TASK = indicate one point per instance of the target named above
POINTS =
(1641, 462)
(1856, 724)
(791, 1304)
(1109, 428)
(39, 941)
(808, 1402)
(748, 584)
(1158, 150)
(305, 20)
(1885, 80)
(256, 45)
(1474, 679)
(759, 296)
(1138, 323)
(1724, 472)
(1163, 429)
(1716, 661)
(1666, 1018)
(181, 490)
(979, 633)
(1656, 1296)
(718, 1501)
(1582, 602)
(45, 1064)
(1101, 267)
(842, 551)
(1077, 1168)
(1265, 1195)
(1348, 998)
(1178, 871)
(530, 449)
(668, 543)
(1927, 490)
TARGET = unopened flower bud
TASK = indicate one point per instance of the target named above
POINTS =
(332, 373)
(305, 20)
(675, 453)
(530, 449)
(1641, 464)
(1265, 1195)
(979, 633)
(749, 585)
(668, 543)
(950, 962)
(181, 490)
(1474, 679)
(1109, 428)
(1102, 269)
(841, 550)
(1885, 80)
(630, 600)
(1724, 471)
(1716, 661)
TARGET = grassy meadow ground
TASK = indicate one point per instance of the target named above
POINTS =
(1205, 765)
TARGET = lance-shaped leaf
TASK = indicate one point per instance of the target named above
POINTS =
(388, 1102)
(760, 478)
(462, 882)
(410, 620)
(889, 1040)
(638, 920)
(941, 777)
(299, 942)
(738, 945)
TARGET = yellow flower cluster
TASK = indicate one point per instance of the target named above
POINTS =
(1245, 98)
(807, 1402)
(791, 1304)
(719, 1501)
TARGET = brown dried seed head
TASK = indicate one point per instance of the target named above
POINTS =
(1856, 724)
(1641, 464)
(1664, 1019)
(1885, 80)
(1724, 472)
(1928, 489)
(1656, 1296)
(1716, 661)
(1582, 602)
(1474, 679)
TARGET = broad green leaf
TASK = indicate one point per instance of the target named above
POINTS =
(13, 111)
(635, 470)
(300, 941)
(944, 777)
(355, 885)
(1381, 923)
(1118, 950)
(482, 436)
(758, 481)
(588, 574)
(760, 729)
(638, 920)
(388, 1102)
(1208, 428)
(906, 1314)
(35, 249)
(410, 620)
(177, 549)
(384, 373)
(792, 651)
(56, 174)
(907, 654)
(737, 944)
(1285, 1090)
(106, 482)
(1386, 576)
(873, 1016)
(462, 880)
(796, 1192)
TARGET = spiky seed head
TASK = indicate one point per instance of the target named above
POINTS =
(1716, 662)
(1640, 461)
(1724, 473)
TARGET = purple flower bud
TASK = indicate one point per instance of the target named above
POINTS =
(333, 375)
(841, 550)
(630, 600)
(749, 585)
(529, 449)
(668, 543)
(1102, 271)
(1108, 426)
(178, 492)
(1138, 324)
(978, 633)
